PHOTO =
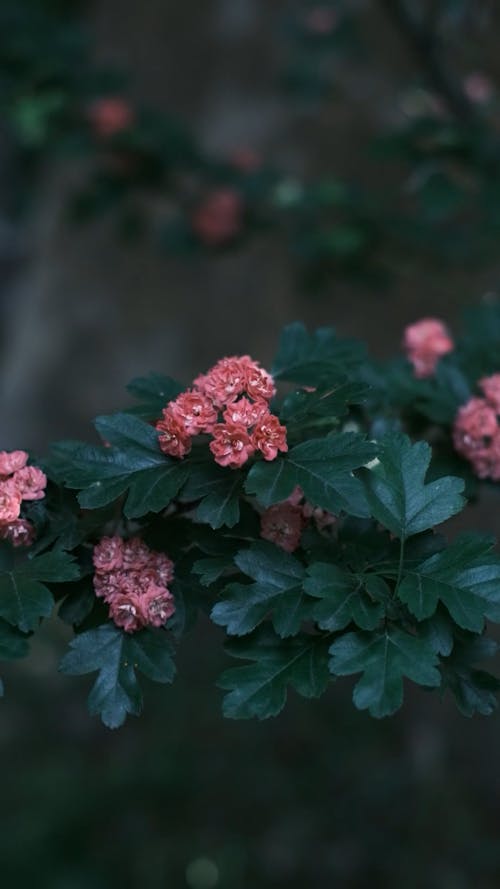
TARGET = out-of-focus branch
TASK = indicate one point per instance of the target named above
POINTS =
(424, 43)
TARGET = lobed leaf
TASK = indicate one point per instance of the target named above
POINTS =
(384, 657)
(117, 656)
(260, 688)
(397, 493)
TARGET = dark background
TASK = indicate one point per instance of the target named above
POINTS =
(323, 796)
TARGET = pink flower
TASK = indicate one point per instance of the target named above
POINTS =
(30, 482)
(12, 461)
(218, 219)
(10, 501)
(282, 524)
(425, 342)
(491, 389)
(194, 411)
(476, 433)
(475, 422)
(163, 566)
(296, 496)
(125, 610)
(110, 115)
(259, 383)
(322, 518)
(108, 554)
(136, 555)
(132, 579)
(244, 412)
(225, 381)
(157, 605)
(269, 437)
(231, 445)
(18, 533)
(173, 438)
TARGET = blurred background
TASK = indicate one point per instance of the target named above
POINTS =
(177, 182)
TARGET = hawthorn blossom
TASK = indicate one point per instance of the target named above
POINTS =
(157, 605)
(259, 383)
(282, 524)
(125, 611)
(194, 411)
(476, 433)
(173, 438)
(30, 482)
(244, 412)
(491, 388)
(225, 381)
(269, 437)
(231, 445)
(133, 579)
(108, 554)
(425, 342)
(11, 461)
(10, 501)
(19, 532)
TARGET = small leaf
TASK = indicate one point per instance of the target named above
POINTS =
(117, 656)
(277, 589)
(24, 596)
(397, 493)
(343, 598)
(323, 469)
(465, 577)
(210, 570)
(135, 464)
(260, 688)
(313, 359)
(154, 392)
(474, 690)
(384, 657)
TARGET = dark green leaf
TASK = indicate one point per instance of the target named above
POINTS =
(210, 570)
(24, 596)
(332, 402)
(384, 657)
(323, 469)
(260, 688)
(397, 493)
(465, 577)
(474, 690)
(136, 465)
(222, 507)
(278, 589)
(313, 359)
(117, 656)
(154, 392)
(343, 598)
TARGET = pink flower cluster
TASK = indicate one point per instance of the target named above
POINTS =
(284, 522)
(476, 431)
(424, 343)
(133, 580)
(237, 391)
(18, 482)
